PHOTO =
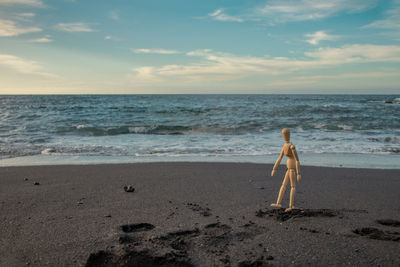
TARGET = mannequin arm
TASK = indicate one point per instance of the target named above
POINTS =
(278, 161)
(296, 157)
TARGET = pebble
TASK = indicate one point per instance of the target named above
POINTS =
(36, 183)
(129, 188)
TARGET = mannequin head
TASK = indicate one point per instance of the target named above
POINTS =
(286, 134)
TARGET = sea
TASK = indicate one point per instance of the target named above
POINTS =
(360, 131)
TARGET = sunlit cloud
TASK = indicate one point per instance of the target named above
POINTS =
(223, 66)
(313, 79)
(356, 54)
(26, 15)
(10, 28)
(278, 11)
(45, 39)
(221, 16)
(34, 3)
(23, 66)
(155, 51)
(74, 27)
(316, 37)
(145, 73)
(391, 20)
(112, 38)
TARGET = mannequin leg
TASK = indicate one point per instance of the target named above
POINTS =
(282, 191)
(293, 189)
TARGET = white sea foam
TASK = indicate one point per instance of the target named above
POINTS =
(345, 127)
(48, 151)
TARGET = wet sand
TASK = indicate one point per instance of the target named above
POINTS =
(196, 214)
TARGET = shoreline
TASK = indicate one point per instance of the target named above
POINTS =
(196, 214)
(269, 165)
(370, 161)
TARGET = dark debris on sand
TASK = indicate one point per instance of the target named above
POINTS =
(374, 233)
(134, 258)
(260, 262)
(138, 246)
(206, 212)
(130, 228)
(389, 222)
(129, 188)
(282, 215)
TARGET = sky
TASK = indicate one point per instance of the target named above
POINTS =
(196, 47)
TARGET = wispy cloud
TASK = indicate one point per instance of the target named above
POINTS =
(113, 15)
(356, 54)
(222, 66)
(145, 73)
(391, 20)
(316, 37)
(301, 10)
(26, 15)
(112, 38)
(45, 39)
(278, 11)
(313, 79)
(23, 66)
(75, 27)
(10, 28)
(221, 16)
(155, 51)
(34, 3)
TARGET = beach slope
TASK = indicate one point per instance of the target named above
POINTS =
(196, 214)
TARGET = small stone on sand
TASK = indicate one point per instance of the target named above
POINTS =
(129, 188)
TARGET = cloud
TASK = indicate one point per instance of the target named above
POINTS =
(111, 38)
(45, 39)
(221, 16)
(23, 66)
(391, 20)
(34, 3)
(10, 28)
(113, 15)
(279, 11)
(74, 27)
(356, 54)
(221, 66)
(26, 15)
(316, 37)
(155, 51)
(313, 79)
(145, 73)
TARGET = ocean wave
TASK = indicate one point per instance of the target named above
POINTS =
(86, 150)
(216, 128)
(119, 130)
(387, 139)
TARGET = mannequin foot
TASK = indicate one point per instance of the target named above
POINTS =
(289, 209)
(276, 205)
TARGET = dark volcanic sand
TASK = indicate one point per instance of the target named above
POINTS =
(196, 214)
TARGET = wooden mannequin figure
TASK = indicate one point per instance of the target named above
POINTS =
(292, 162)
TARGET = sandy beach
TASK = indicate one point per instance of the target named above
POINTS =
(196, 214)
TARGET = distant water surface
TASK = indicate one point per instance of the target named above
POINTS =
(330, 130)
